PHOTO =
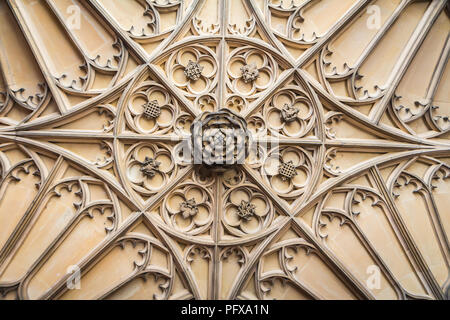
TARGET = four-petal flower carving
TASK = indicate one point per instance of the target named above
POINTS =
(150, 166)
(288, 171)
(151, 109)
(193, 69)
(250, 71)
(290, 113)
(247, 211)
(188, 209)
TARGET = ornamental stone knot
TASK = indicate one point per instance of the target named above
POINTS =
(152, 110)
(246, 210)
(220, 139)
(249, 72)
(193, 70)
(289, 113)
(188, 208)
(149, 167)
(287, 170)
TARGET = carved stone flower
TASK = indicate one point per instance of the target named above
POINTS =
(189, 208)
(288, 171)
(247, 210)
(250, 72)
(193, 70)
(290, 113)
(220, 139)
(151, 109)
(149, 167)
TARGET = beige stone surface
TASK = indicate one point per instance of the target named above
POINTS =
(344, 191)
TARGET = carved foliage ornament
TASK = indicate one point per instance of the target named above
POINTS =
(193, 70)
(249, 72)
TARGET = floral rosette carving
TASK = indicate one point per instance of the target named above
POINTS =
(246, 211)
(250, 71)
(288, 171)
(290, 113)
(151, 109)
(149, 167)
(193, 69)
(189, 209)
(220, 139)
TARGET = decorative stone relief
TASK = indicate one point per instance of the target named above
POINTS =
(220, 139)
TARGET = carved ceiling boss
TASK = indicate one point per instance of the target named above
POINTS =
(220, 139)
